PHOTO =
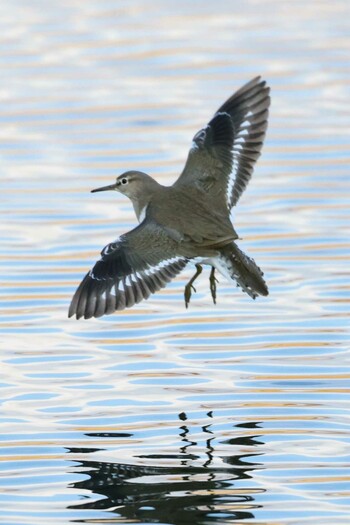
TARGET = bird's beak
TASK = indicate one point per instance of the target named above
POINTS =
(105, 188)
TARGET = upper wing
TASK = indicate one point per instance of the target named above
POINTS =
(139, 263)
(223, 154)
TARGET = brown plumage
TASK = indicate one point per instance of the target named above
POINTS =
(189, 220)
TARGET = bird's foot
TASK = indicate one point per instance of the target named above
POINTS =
(189, 286)
(213, 280)
(188, 293)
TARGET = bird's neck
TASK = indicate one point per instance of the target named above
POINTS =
(140, 207)
(141, 201)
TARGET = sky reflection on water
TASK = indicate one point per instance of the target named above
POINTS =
(233, 413)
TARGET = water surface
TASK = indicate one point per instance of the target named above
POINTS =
(237, 412)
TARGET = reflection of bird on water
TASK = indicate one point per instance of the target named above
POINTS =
(187, 493)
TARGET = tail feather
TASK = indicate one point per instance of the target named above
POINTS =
(246, 272)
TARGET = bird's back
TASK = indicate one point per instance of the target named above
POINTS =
(189, 217)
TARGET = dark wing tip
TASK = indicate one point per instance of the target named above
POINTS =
(73, 307)
(252, 91)
(78, 303)
(248, 108)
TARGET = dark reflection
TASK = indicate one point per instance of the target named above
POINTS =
(195, 488)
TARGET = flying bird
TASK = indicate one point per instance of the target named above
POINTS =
(188, 222)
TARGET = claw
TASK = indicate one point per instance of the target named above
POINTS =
(213, 280)
(189, 286)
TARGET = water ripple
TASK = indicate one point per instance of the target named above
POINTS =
(217, 414)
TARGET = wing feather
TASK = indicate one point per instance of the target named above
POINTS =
(223, 155)
(138, 264)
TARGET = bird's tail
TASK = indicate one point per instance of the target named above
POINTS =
(245, 271)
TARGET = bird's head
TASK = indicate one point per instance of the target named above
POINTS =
(130, 183)
(136, 185)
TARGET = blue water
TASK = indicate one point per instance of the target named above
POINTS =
(237, 412)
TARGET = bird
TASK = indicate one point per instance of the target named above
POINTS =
(188, 221)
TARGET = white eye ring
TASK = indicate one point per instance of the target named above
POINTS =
(124, 180)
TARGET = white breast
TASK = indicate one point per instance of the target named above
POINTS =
(142, 213)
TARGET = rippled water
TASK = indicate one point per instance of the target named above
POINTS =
(231, 413)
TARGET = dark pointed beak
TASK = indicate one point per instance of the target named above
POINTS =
(105, 188)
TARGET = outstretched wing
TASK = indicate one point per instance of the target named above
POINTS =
(138, 264)
(223, 154)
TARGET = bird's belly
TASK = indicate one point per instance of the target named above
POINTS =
(220, 264)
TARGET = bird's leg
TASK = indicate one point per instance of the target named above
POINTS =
(189, 286)
(213, 280)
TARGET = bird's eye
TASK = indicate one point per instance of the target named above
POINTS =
(124, 180)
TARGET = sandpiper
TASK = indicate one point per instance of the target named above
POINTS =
(188, 221)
